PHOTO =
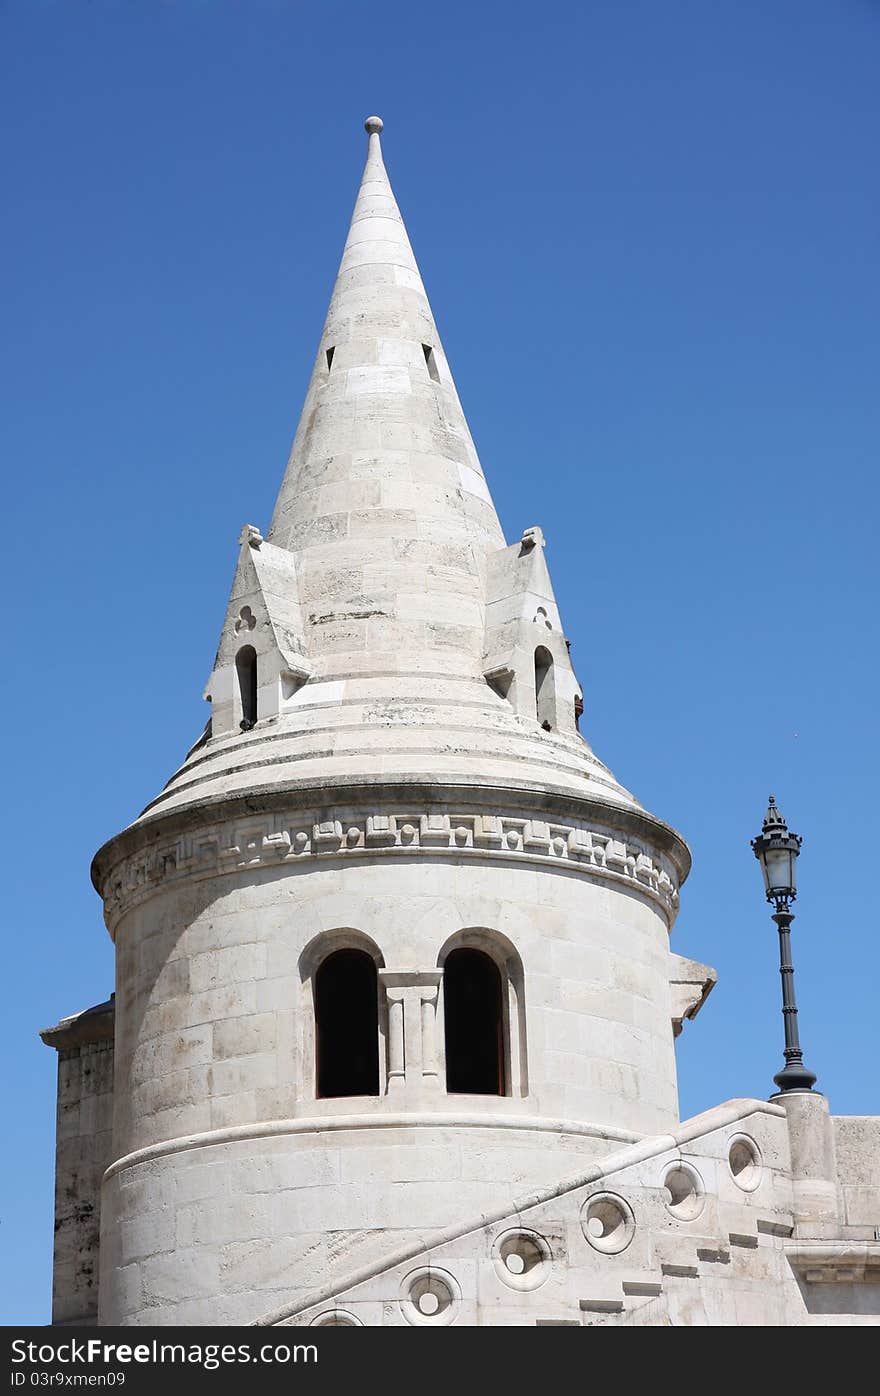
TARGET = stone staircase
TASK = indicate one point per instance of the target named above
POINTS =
(652, 1301)
(673, 1270)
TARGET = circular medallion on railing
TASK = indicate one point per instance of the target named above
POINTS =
(685, 1194)
(744, 1162)
(336, 1318)
(522, 1259)
(430, 1296)
(608, 1223)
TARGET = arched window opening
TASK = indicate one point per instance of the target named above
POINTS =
(346, 1025)
(246, 668)
(545, 689)
(474, 1024)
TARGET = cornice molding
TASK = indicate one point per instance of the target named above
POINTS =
(833, 1261)
(244, 841)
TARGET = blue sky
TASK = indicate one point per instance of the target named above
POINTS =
(650, 236)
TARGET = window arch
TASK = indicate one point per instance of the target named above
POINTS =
(246, 669)
(346, 1025)
(545, 688)
(505, 1030)
(473, 1020)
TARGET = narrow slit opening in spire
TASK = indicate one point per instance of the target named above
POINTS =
(330, 353)
(431, 361)
(246, 668)
(545, 689)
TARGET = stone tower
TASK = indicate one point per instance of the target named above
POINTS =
(392, 945)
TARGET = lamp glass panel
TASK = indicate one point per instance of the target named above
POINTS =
(778, 870)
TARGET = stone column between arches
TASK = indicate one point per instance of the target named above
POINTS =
(415, 1042)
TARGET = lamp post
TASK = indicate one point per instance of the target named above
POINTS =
(777, 850)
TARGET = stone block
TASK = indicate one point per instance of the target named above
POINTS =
(242, 1036)
(146, 1234)
(187, 1274)
(218, 969)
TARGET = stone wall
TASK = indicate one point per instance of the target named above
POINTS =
(216, 1059)
(857, 1148)
(83, 1151)
(215, 1011)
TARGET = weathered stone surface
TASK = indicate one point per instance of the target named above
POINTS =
(84, 1148)
(857, 1157)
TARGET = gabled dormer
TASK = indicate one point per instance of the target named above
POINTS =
(526, 658)
(261, 659)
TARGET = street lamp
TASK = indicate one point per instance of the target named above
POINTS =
(777, 851)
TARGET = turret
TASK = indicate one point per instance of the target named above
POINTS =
(392, 941)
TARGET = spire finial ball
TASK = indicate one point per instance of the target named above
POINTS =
(373, 125)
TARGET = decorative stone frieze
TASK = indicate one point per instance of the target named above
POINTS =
(239, 845)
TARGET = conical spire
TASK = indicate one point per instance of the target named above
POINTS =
(774, 818)
(392, 634)
(384, 500)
